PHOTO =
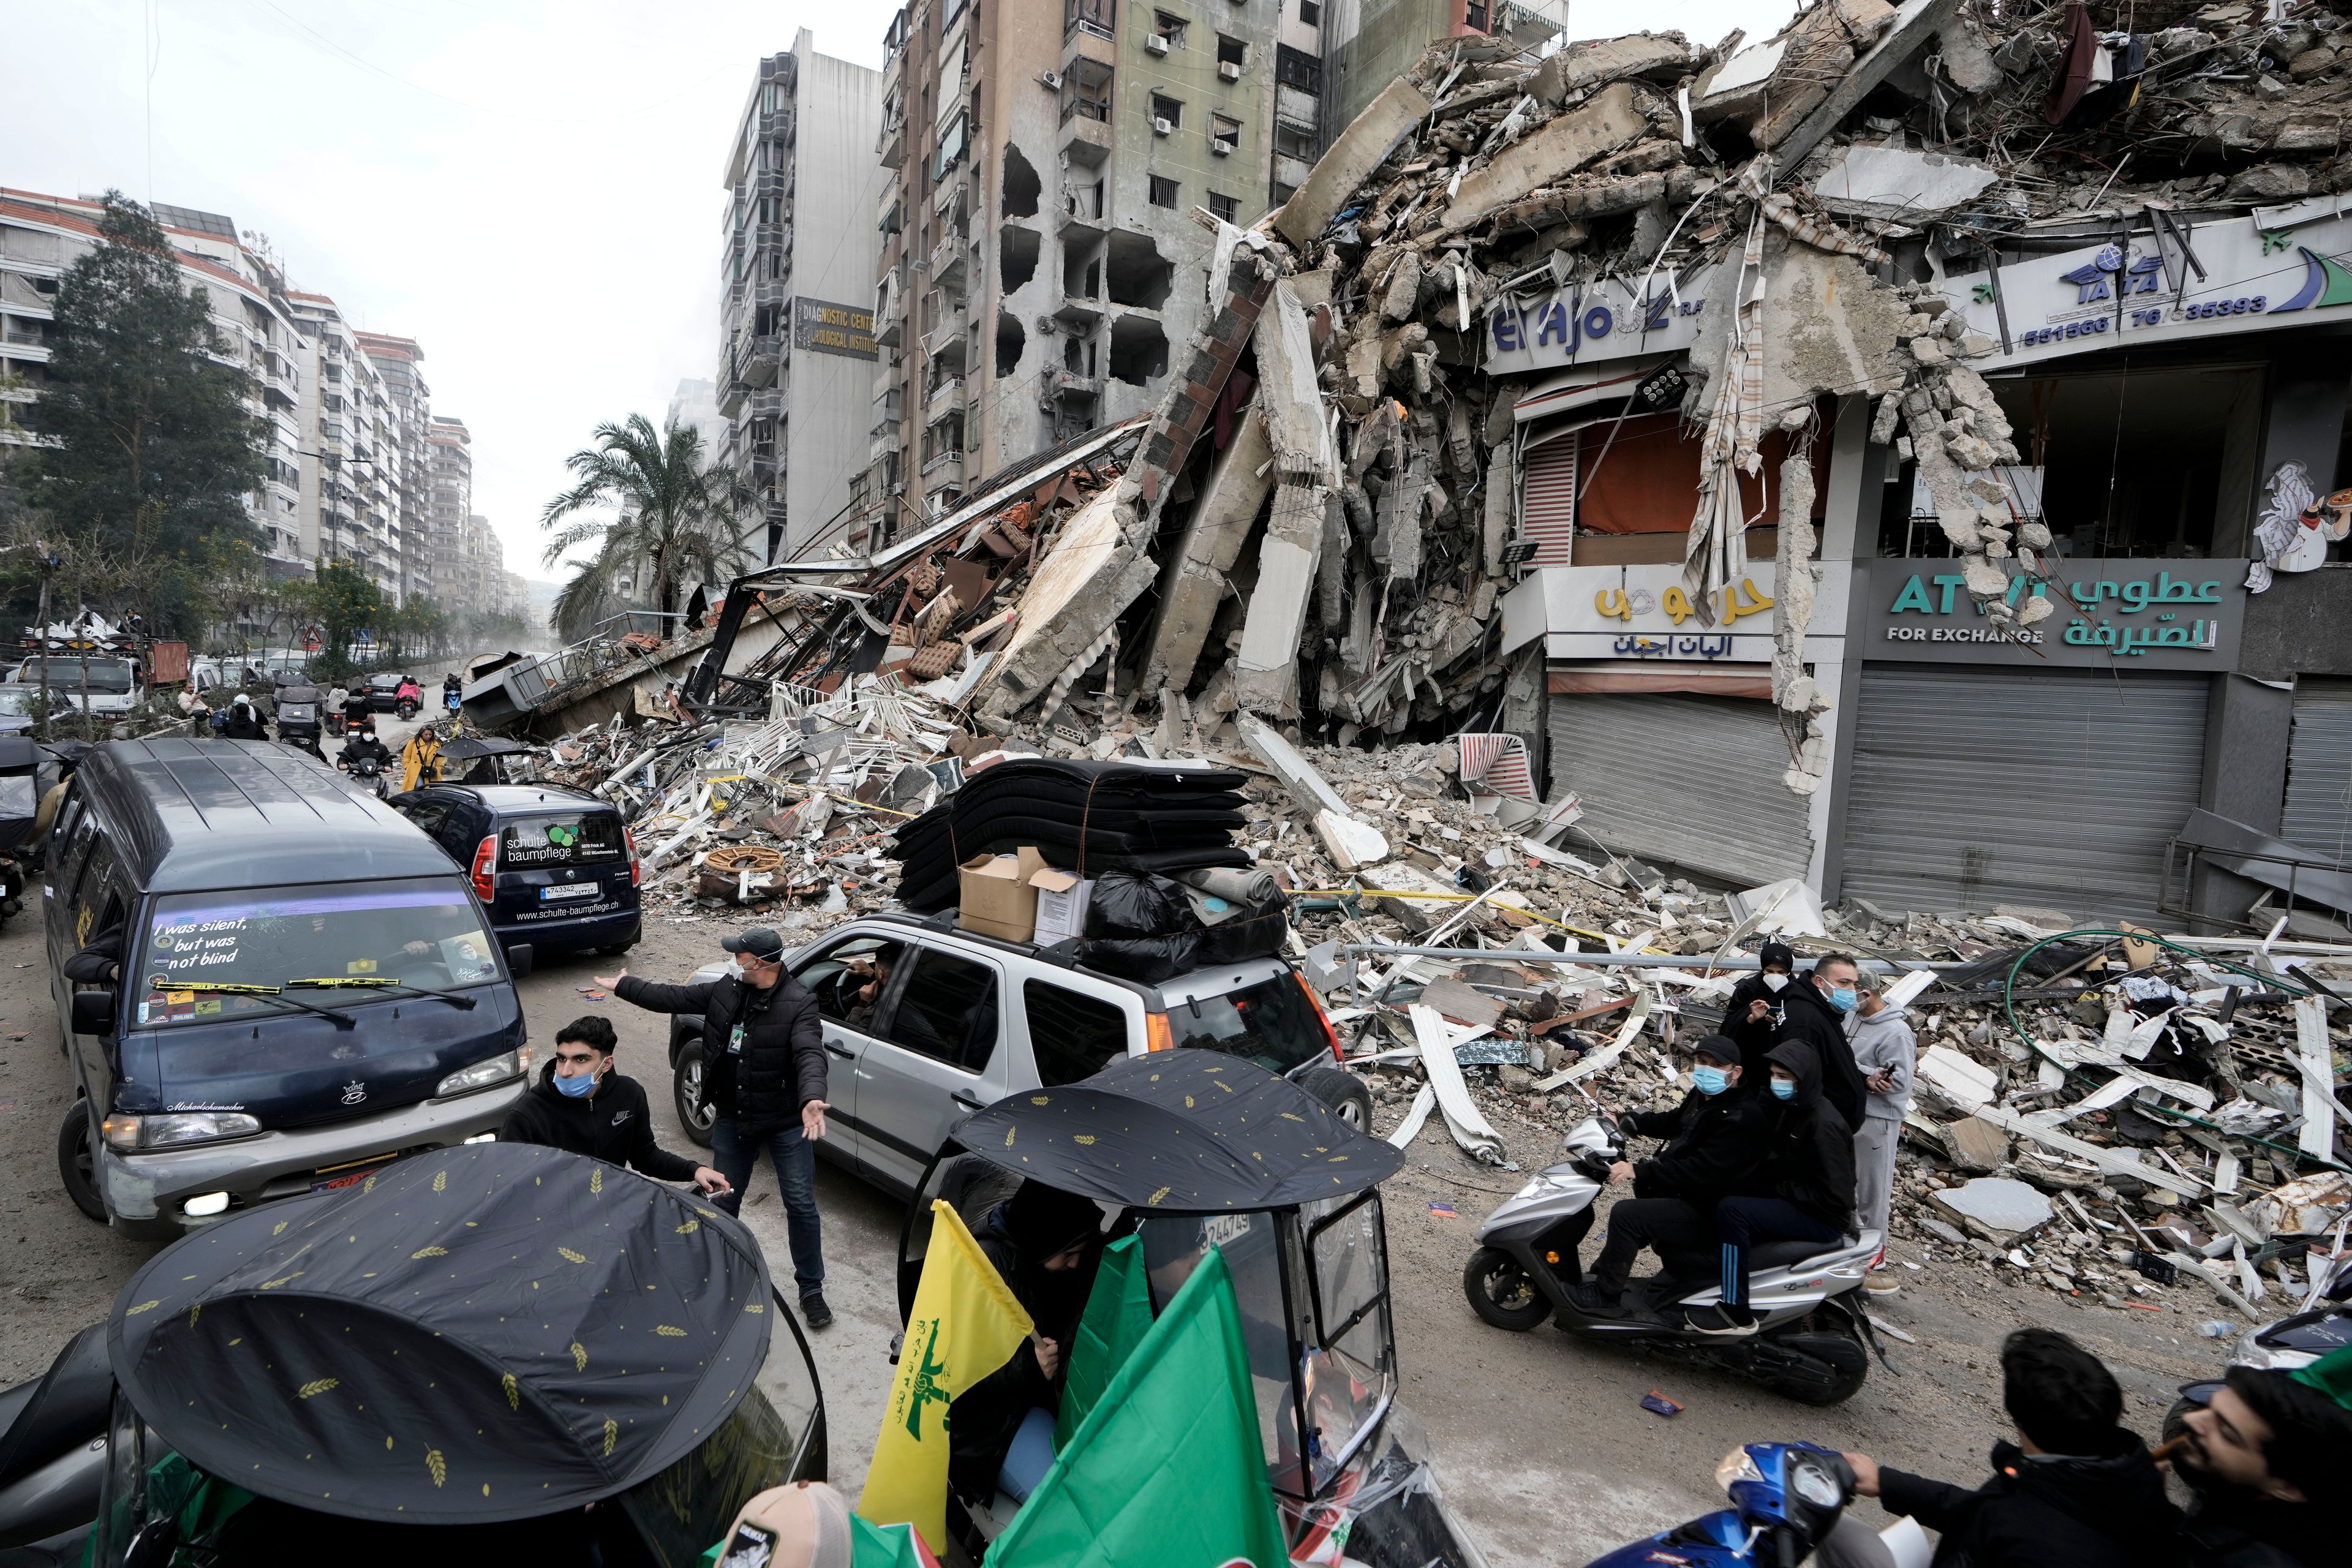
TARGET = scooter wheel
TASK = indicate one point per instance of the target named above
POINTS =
(1500, 1292)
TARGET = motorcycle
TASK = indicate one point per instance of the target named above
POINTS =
(1813, 1337)
(1788, 1502)
(370, 771)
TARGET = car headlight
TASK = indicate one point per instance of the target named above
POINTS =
(127, 1134)
(482, 1074)
(1736, 1465)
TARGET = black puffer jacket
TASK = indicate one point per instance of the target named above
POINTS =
(782, 1067)
(2102, 1510)
(1717, 1142)
(614, 1125)
(1808, 1146)
(1812, 1020)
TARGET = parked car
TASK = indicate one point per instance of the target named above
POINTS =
(960, 1021)
(115, 684)
(17, 707)
(307, 988)
(556, 868)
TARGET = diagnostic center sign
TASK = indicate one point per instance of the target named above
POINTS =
(2155, 614)
(831, 329)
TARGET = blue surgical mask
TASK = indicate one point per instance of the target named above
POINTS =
(1844, 998)
(1783, 1089)
(579, 1087)
(1710, 1080)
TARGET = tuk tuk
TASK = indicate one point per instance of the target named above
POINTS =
(1188, 1149)
(302, 717)
(492, 1349)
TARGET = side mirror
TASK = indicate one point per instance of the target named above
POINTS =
(518, 960)
(93, 1013)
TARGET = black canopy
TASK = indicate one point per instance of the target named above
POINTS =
(478, 1333)
(465, 748)
(1182, 1131)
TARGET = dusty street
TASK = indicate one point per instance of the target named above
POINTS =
(1541, 1439)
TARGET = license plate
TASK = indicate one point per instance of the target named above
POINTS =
(568, 891)
(342, 1179)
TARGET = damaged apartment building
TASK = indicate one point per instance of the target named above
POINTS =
(1901, 454)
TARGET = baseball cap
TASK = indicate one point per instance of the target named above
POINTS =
(758, 941)
(1718, 1049)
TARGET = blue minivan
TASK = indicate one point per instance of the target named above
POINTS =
(556, 868)
(287, 985)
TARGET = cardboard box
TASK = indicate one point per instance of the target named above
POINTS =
(994, 898)
(1062, 901)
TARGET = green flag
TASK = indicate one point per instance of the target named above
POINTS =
(1118, 1314)
(1167, 1470)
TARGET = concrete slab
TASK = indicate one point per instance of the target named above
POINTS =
(1194, 584)
(1344, 165)
(1611, 119)
(1265, 668)
(1899, 182)
(1998, 1203)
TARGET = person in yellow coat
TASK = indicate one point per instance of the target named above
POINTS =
(420, 759)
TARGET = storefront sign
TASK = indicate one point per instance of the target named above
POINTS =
(1590, 323)
(2235, 277)
(829, 328)
(1647, 612)
(2174, 615)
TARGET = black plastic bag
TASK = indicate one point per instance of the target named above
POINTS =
(1138, 904)
(1145, 960)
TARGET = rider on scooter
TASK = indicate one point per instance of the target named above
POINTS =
(1802, 1191)
(363, 745)
(1717, 1141)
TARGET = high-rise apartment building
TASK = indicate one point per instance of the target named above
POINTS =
(1042, 261)
(796, 346)
(1368, 43)
(405, 456)
(351, 445)
(449, 481)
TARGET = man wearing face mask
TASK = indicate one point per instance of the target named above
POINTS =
(1715, 1140)
(2262, 1454)
(582, 1103)
(764, 1077)
(1754, 1017)
(1816, 1006)
(1803, 1190)
(1887, 1053)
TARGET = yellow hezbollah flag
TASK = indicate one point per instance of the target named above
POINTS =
(965, 1325)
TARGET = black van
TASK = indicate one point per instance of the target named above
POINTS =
(307, 988)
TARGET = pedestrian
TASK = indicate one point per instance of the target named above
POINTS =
(1803, 1190)
(1814, 1009)
(1887, 1053)
(2266, 1449)
(584, 1103)
(195, 710)
(764, 1077)
(1756, 1012)
(2075, 1489)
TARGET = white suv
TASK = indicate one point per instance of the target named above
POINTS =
(960, 1021)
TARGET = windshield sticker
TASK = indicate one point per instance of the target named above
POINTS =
(189, 945)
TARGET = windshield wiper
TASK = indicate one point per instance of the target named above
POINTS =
(370, 983)
(266, 992)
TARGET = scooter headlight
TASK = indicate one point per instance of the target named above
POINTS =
(1814, 1485)
(1736, 1465)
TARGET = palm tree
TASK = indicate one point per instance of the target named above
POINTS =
(678, 519)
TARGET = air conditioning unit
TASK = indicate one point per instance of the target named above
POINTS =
(1162, 128)
(1221, 149)
(1052, 81)
(1230, 70)
(1156, 44)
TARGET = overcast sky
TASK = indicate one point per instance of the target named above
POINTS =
(530, 188)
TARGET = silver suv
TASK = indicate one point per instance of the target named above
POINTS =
(927, 1023)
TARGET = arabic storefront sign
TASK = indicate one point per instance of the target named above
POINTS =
(2176, 615)
(2231, 276)
(831, 329)
(1646, 612)
(1591, 323)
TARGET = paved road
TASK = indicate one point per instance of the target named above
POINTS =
(1539, 1439)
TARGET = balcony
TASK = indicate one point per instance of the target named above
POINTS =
(945, 341)
(1080, 222)
(755, 361)
(1069, 386)
(950, 397)
(942, 469)
(892, 149)
(947, 260)
(771, 403)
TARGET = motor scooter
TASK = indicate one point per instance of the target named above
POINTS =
(1788, 1502)
(368, 770)
(1814, 1338)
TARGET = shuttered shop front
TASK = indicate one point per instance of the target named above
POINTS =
(1687, 781)
(1972, 787)
(2318, 818)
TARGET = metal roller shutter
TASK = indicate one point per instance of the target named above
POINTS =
(1548, 501)
(2318, 818)
(2054, 790)
(1688, 780)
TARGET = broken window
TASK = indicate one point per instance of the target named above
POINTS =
(1021, 185)
(1297, 67)
(1293, 142)
(1139, 350)
(1310, 13)
(1081, 273)
(1224, 131)
(1086, 89)
(1016, 257)
(1171, 29)
(1078, 356)
(1227, 208)
(1096, 16)
(1167, 110)
(1138, 273)
(1473, 16)
(1009, 340)
(1163, 192)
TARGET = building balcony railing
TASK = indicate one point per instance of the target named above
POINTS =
(943, 469)
(947, 260)
(945, 341)
(947, 397)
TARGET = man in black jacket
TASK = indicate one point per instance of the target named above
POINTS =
(1757, 1009)
(1716, 1141)
(585, 1105)
(245, 722)
(1815, 1008)
(2266, 1446)
(1802, 1190)
(763, 1075)
(2075, 1490)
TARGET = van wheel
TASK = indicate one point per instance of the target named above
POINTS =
(1345, 1093)
(77, 1162)
(694, 1111)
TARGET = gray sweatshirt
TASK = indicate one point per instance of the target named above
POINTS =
(1884, 1043)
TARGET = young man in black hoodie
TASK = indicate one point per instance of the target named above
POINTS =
(1758, 1008)
(582, 1103)
(1716, 1141)
(2266, 1447)
(1814, 1010)
(2075, 1490)
(1802, 1191)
